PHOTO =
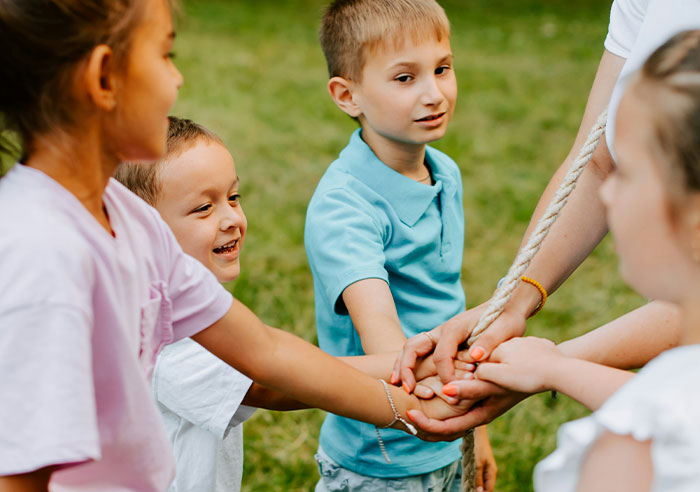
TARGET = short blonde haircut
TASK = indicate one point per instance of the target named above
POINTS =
(143, 179)
(351, 29)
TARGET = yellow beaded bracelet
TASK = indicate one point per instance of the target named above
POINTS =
(542, 290)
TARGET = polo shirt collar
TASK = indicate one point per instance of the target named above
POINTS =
(409, 198)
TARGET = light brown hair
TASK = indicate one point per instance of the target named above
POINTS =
(143, 179)
(42, 41)
(669, 82)
(351, 29)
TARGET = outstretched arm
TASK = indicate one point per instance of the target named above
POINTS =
(630, 341)
(531, 365)
(286, 363)
(579, 228)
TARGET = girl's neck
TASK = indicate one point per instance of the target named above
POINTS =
(79, 165)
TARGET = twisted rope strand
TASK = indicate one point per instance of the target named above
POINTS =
(522, 261)
(504, 292)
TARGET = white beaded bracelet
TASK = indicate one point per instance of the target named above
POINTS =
(397, 418)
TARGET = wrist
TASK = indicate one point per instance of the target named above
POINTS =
(398, 403)
(525, 299)
(556, 375)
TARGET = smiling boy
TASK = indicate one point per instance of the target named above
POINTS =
(202, 400)
(385, 227)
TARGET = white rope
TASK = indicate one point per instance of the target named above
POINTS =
(504, 291)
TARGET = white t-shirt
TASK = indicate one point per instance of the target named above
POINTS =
(83, 315)
(661, 403)
(199, 397)
(637, 28)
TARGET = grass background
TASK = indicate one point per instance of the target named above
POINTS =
(254, 73)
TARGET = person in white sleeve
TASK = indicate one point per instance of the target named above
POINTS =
(646, 436)
(637, 27)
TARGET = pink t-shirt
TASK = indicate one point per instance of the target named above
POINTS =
(83, 315)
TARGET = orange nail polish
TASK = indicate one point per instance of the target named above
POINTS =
(393, 378)
(410, 417)
(405, 388)
(450, 390)
(476, 353)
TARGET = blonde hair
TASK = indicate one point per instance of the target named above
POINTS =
(350, 29)
(143, 179)
(669, 83)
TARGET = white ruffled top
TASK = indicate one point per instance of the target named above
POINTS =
(661, 403)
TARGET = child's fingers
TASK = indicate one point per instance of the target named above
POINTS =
(497, 373)
(464, 366)
(471, 389)
(479, 476)
(443, 430)
(414, 347)
(423, 391)
(490, 474)
(435, 386)
(463, 355)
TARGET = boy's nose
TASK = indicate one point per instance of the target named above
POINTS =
(231, 218)
(432, 94)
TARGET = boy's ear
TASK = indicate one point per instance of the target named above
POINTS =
(341, 90)
(99, 77)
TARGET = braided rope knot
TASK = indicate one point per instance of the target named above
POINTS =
(505, 291)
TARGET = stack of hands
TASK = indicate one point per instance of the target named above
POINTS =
(478, 383)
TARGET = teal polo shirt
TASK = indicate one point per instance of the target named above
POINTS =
(366, 220)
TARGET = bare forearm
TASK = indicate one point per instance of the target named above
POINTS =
(261, 397)
(632, 340)
(286, 363)
(581, 223)
(376, 365)
(588, 383)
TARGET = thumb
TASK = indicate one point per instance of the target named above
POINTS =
(487, 342)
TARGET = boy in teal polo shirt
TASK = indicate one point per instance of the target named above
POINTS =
(385, 227)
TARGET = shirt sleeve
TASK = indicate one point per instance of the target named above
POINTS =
(344, 243)
(48, 412)
(198, 299)
(199, 387)
(626, 18)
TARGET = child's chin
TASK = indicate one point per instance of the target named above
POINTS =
(229, 275)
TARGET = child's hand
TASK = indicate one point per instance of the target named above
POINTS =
(432, 386)
(425, 366)
(437, 408)
(486, 469)
(521, 364)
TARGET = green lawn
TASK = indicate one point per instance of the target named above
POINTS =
(254, 73)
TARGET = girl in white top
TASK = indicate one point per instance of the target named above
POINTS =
(93, 282)
(646, 436)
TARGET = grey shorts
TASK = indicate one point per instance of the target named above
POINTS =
(335, 478)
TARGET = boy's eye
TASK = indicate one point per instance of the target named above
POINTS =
(203, 208)
(441, 70)
(235, 198)
(403, 78)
